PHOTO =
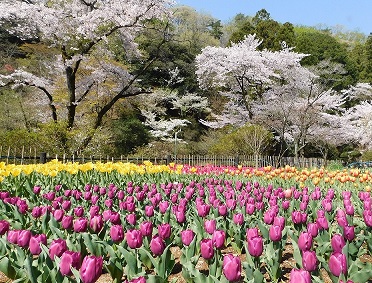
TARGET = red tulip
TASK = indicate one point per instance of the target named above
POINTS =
(231, 267)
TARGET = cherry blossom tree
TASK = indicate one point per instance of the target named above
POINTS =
(80, 30)
(359, 117)
(268, 88)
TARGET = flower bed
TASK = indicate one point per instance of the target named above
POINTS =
(146, 223)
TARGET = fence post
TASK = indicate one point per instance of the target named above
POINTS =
(236, 160)
(169, 159)
(43, 156)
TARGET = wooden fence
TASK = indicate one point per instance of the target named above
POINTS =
(29, 156)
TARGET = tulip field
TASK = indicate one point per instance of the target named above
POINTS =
(147, 223)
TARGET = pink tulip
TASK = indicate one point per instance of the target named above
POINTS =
(275, 233)
(69, 259)
(164, 230)
(238, 218)
(299, 276)
(187, 236)
(157, 245)
(206, 248)
(309, 260)
(96, 223)
(80, 225)
(134, 238)
(35, 242)
(231, 267)
(4, 227)
(146, 228)
(57, 248)
(210, 226)
(91, 269)
(337, 243)
(218, 238)
(305, 241)
(337, 264)
(117, 233)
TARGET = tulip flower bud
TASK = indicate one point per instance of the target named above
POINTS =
(117, 233)
(231, 267)
(238, 218)
(4, 227)
(91, 269)
(57, 248)
(164, 230)
(146, 228)
(305, 241)
(337, 243)
(349, 233)
(337, 264)
(12, 236)
(275, 233)
(255, 246)
(157, 245)
(35, 242)
(96, 223)
(210, 226)
(80, 225)
(24, 237)
(79, 211)
(131, 219)
(58, 214)
(69, 259)
(313, 229)
(250, 208)
(187, 236)
(115, 218)
(67, 222)
(180, 216)
(280, 221)
(299, 275)
(252, 232)
(322, 223)
(134, 238)
(94, 210)
(309, 260)
(218, 238)
(206, 248)
(36, 212)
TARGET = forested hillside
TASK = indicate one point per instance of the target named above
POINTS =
(141, 78)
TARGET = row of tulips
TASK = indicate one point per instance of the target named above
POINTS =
(62, 228)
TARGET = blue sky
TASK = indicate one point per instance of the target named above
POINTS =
(353, 15)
